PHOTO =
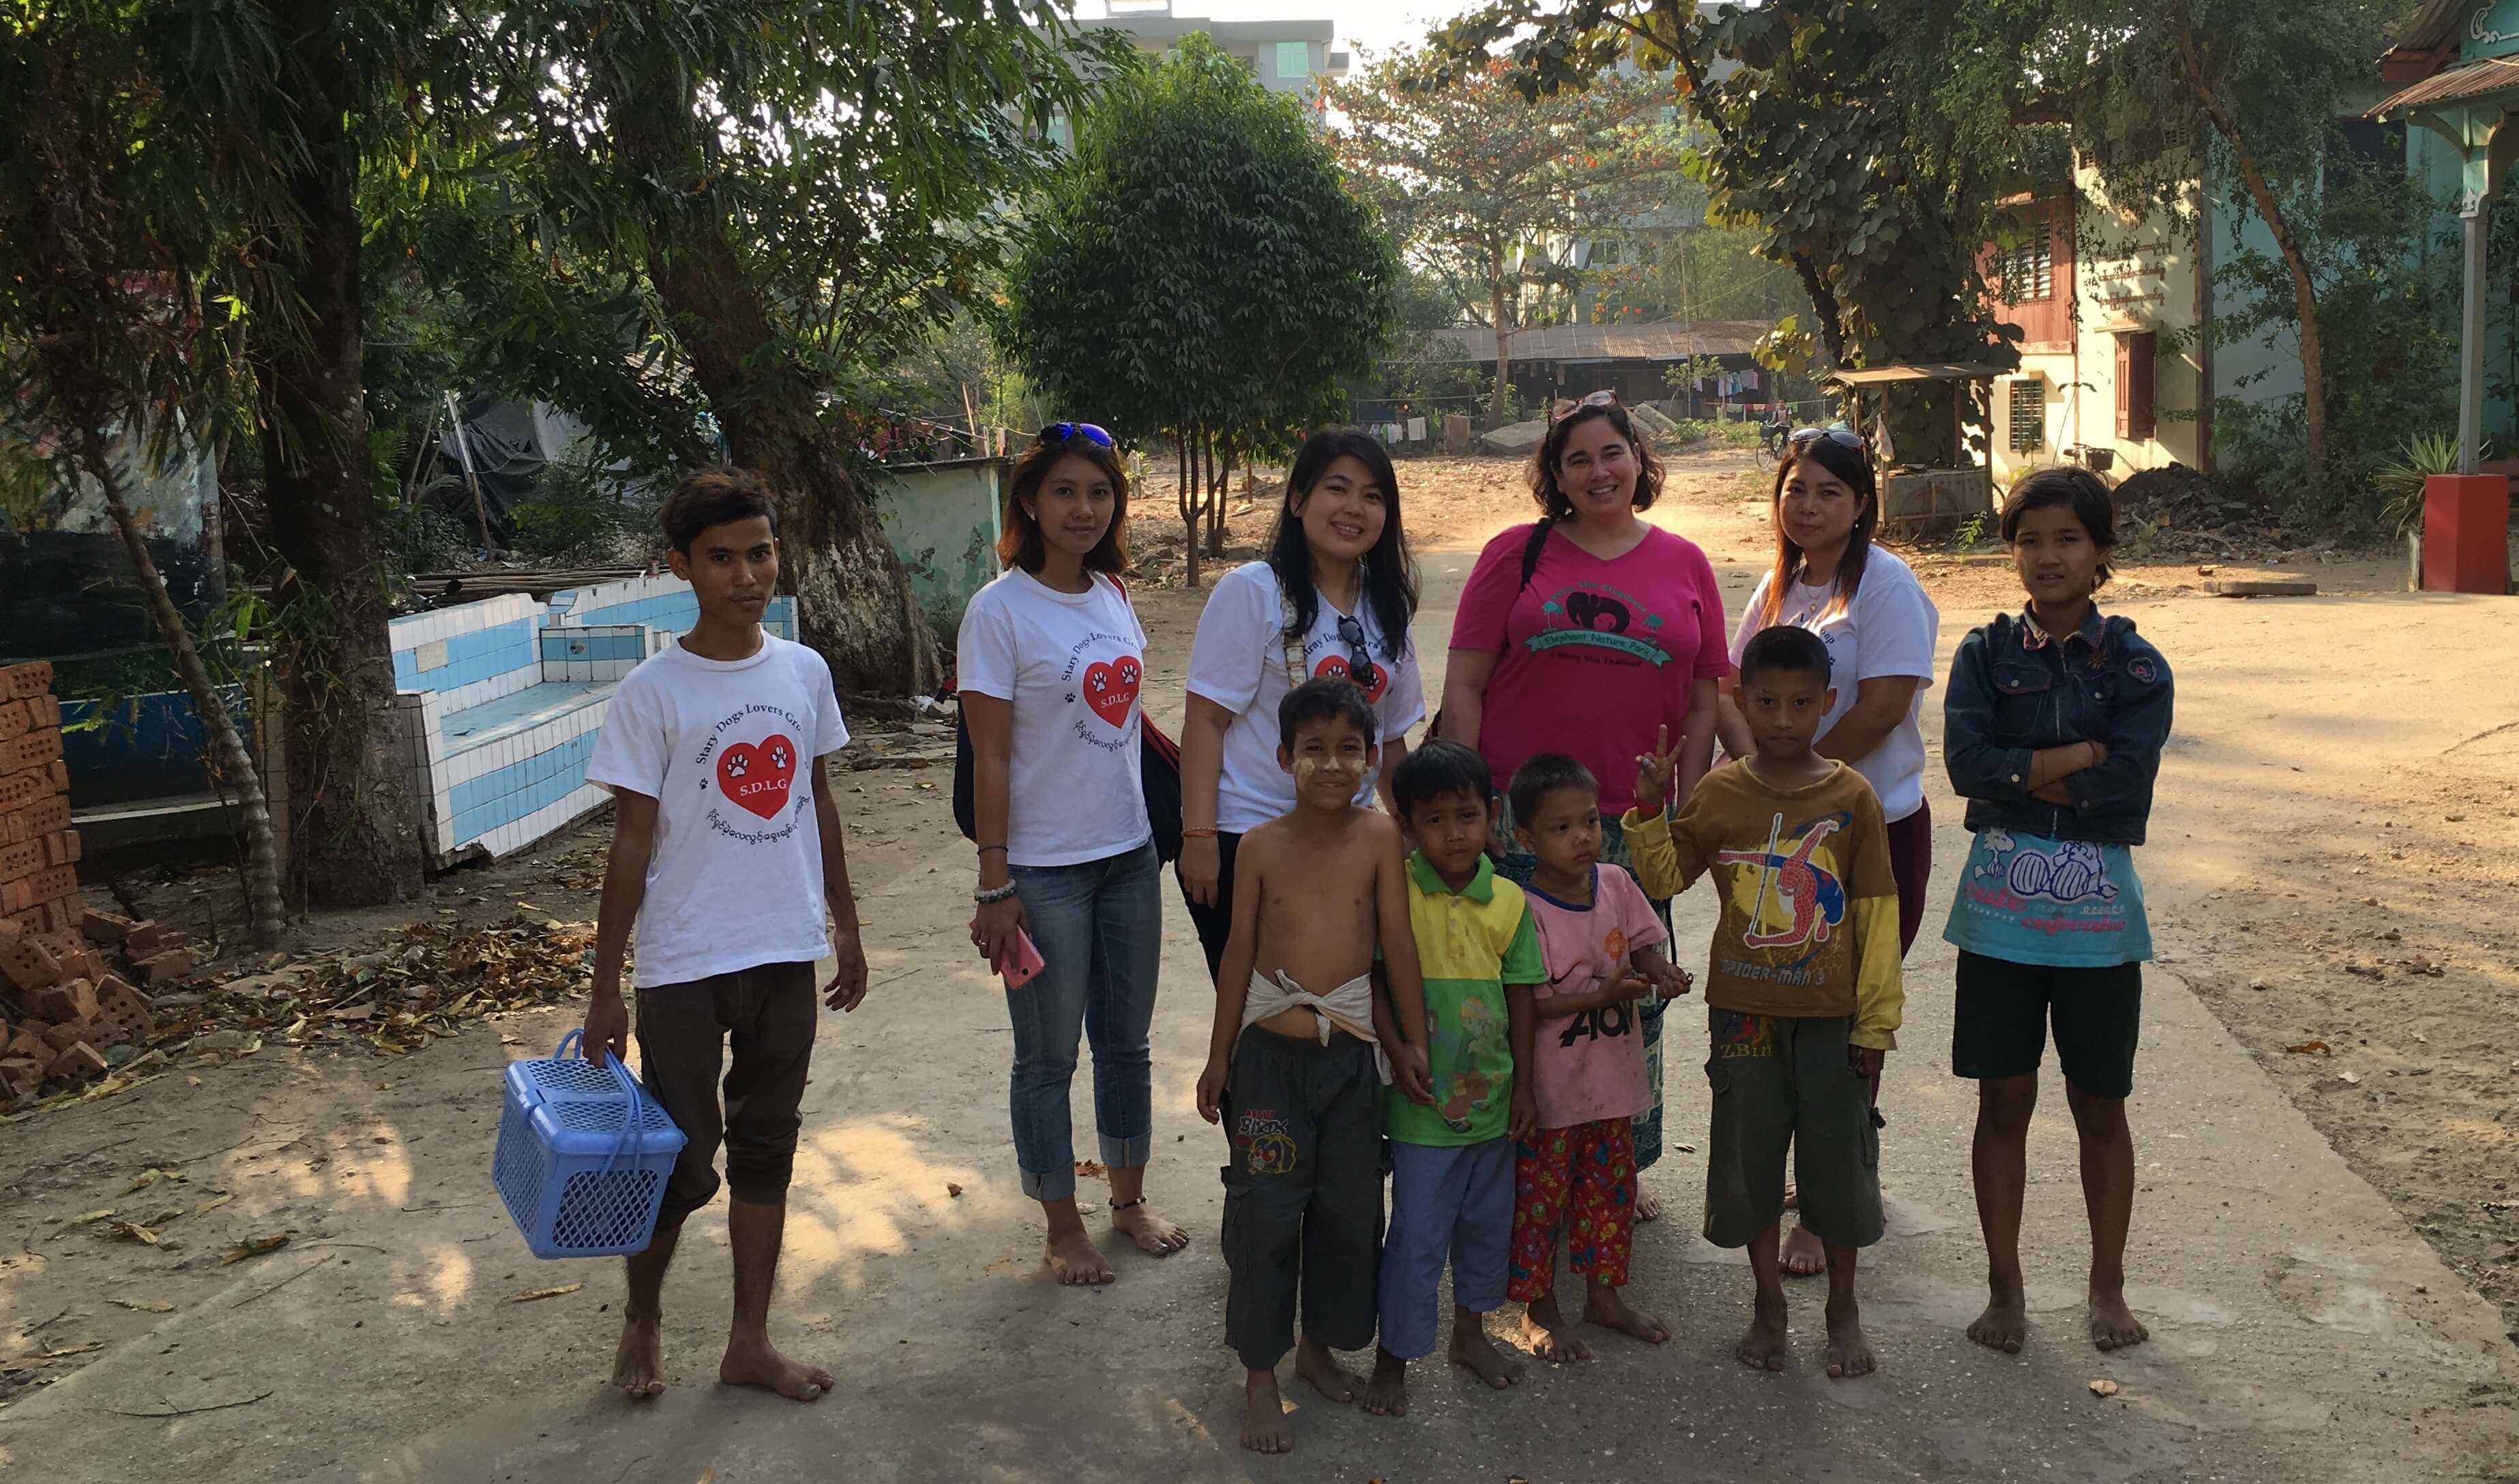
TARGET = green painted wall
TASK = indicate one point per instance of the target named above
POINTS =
(943, 520)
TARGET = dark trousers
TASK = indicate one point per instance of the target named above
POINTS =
(1215, 924)
(1911, 865)
(1302, 1193)
(768, 1014)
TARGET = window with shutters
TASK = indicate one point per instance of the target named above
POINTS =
(2028, 268)
(2028, 415)
(2137, 353)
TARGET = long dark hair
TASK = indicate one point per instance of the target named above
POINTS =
(1390, 573)
(1022, 543)
(1553, 505)
(1855, 467)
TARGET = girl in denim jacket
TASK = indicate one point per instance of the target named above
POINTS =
(2053, 726)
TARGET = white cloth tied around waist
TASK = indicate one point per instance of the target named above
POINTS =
(1347, 1008)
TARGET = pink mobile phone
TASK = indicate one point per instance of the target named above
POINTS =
(1026, 961)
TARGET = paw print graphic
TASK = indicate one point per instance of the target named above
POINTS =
(734, 767)
(1128, 671)
(1097, 681)
(778, 755)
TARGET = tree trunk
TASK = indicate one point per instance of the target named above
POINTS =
(227, 747)
(1503, 409)
(1220, 469)
(1823, 305)
(1186, 501)
(354, 817)
(2303, 288)
(853, 595)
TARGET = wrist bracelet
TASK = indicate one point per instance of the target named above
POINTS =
(991, 895)
(1207, 834)
(985, 849)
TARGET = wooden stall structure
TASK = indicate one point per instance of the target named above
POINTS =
(1919, 501)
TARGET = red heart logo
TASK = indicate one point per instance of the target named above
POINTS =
(1112, 688)
(758, 777)
(1373, 684)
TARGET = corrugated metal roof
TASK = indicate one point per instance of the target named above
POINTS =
(2432, 24)
(1672, 340)
(2469, 80)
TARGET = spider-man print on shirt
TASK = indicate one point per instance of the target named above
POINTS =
(1791, 892)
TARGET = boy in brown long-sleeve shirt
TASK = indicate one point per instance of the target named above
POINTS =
(1803, 989)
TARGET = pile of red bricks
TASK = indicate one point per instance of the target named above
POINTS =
(67, 974)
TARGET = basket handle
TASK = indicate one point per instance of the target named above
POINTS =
(576, 1038)
(632, 1137)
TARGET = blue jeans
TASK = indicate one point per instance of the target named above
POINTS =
(1099, 927)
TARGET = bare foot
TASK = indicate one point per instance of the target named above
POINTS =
(760, 1365)
(1154, 1234)
(1387, 1393)
(1315, 1364)
(2113, 1326)
(1849, 1349)
(1801, 1254)
(1608, 1308)
(1648, 1204)
(1075, 1261)
(1548, 1335)
(639, 1363)
(1766, 1345)
(2004, 1324)
(1488, 1363)
(1264, 1428)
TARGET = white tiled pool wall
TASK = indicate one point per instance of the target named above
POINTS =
(502, 793)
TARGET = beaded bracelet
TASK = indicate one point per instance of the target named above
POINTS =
(988, 896)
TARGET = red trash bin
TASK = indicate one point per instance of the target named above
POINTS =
(2466, 533)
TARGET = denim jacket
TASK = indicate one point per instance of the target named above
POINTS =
(2013, 692)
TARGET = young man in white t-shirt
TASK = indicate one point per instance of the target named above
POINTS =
(726, 851)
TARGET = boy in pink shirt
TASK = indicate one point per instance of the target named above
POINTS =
(1583, 1045)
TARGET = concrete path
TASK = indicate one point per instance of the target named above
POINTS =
(2302, 1332)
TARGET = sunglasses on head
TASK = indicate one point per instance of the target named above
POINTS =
(1069, 432)
(1841, 437)
(1566, 410)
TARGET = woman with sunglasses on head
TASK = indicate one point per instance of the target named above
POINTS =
(1879, 629)
(1595, 633)
(1051, 666)
(1334, 597)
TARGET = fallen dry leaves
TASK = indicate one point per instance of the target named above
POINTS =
(423, 985)
(252, 1246)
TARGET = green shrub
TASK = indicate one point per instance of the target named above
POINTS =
(2400, 481)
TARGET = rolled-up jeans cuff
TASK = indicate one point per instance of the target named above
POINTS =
(1057, 1184)
(1126, 1153)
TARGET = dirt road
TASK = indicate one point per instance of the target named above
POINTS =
(2344, 769)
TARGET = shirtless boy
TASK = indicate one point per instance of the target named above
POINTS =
(1291, 1067)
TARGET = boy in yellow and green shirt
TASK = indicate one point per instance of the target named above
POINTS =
(1451, 1179)
(1803, 991)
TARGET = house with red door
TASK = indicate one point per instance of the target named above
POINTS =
(2118, 311)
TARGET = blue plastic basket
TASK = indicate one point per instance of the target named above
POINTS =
(583, 1154)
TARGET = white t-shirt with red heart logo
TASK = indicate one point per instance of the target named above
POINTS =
(727, 750)
(1073, 665)
(1238, 661)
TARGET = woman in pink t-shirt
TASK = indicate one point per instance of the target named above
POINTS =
(1586, 632)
